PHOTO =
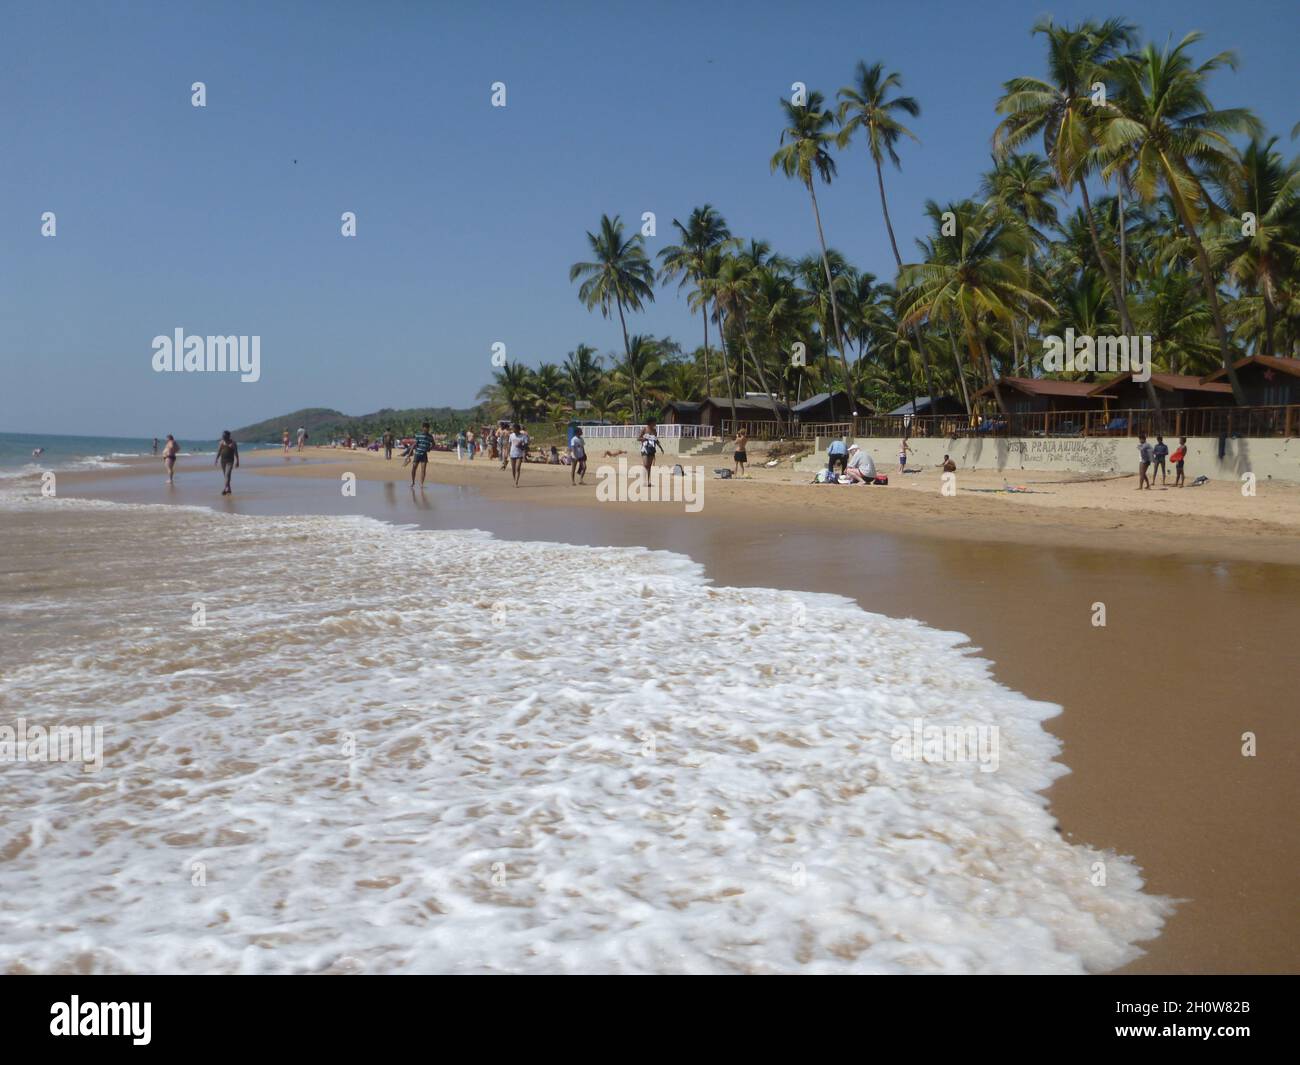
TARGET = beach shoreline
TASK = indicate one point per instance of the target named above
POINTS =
(1153, 750)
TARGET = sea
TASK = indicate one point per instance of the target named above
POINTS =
(332, 744)
(62, 452)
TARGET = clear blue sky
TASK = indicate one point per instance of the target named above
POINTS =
(468, 216)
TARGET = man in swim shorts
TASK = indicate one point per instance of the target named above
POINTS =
(420, 456)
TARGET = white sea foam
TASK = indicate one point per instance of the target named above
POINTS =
(396, 751)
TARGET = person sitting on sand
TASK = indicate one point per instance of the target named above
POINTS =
(837, 453)
(578, 450)
(948, 465)
(862, 467)
(1179, 456)
(170, 450)
(1144, 462)
(1159, 454)
(555, 455)
(740, 455)
(228, 457)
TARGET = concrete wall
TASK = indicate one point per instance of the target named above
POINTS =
(1267, 457)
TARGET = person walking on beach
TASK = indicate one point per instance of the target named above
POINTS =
(578, 452)
(388, 441)
(420, 454)
(740, 456)
(155, 445)
(1179, 456)
(1144, 461)
(1160, 453)
(284, 440)
(903, 449)
(503, 444)
(518, 450)
(169, 457)
(837, 454)
(302, 437)
(460, 445)
(227, 457)
(648, 438)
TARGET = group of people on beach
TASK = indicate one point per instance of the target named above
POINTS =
(227, 458)
(1152, 457)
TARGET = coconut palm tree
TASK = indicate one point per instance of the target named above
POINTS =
(1165, 129)
(690, 261)
(972, 278)
(867, 107)
(619, 275)
(510, 391)
(1259, 258)
(804, 154)
(582, 372)
(1062, 109)
(640, 371)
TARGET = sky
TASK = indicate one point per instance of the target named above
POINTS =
(226, 219)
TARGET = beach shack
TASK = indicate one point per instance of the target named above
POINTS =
(681, 412)
(1172, 389)
(757, 412)
(1267, 380)
(824, 408)
(1044, 406)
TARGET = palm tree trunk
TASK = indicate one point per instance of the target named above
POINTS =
(1207, 282)
(898, 260)
(1121, 300)
(708, 381)
(961, 376)
(726, 368)
(627, 359)
(762, 377)
(835, 309)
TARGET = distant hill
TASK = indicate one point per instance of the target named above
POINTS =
(322, 424)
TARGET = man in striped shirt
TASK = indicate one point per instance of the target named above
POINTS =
(420, 458)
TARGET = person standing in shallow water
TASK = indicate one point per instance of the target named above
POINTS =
(227, 457)
(169, 457)
(518, 451)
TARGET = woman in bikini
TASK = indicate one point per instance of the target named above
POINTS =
(228, 457)
(169, 457)
(649, 441)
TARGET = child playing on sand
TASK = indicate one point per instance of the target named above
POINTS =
(903, 449)
(1179, 455)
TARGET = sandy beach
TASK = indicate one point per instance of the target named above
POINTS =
(1195, 583)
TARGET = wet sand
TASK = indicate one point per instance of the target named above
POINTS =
(1196, 650)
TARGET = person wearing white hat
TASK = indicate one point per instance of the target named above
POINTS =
(862, 468)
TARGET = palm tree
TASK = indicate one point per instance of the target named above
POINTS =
(972, 278)
(640, 370)
(1260, 261)
(804, 154)
(510, 391)
(1164, 127)
(707, 292)
(865, 105)
(704, 231)
(582, 372)
(620, 275)
(1063, 112)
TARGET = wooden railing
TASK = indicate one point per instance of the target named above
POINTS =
(671, 431)
(1186, 421)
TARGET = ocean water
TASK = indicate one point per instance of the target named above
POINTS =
(83, 452)
(394, 750)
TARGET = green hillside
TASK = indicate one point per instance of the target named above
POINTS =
(322, 424)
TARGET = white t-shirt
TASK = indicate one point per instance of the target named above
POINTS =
(518, 442)
(860, 460)
(579, 447)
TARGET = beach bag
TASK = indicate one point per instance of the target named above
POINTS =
(722, 474)
(880, 478)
